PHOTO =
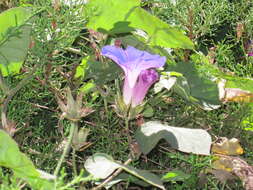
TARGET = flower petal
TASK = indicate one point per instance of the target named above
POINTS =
(133, 53)
(146, 79)
(117, 54)
(139, 61)
(143, 60)
(156, 62)
(127, 92)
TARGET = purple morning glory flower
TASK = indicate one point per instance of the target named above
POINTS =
(134, 62)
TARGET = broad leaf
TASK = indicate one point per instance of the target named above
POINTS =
(183, 139)
(14, 39)
(113, 16)
(231, 88)
(195, 86)
(102, 165)
(102, 72)
(12, 158)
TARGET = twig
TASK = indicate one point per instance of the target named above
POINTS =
(117, 172)
(43, 107)
(75, 51)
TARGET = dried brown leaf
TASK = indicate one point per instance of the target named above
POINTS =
(56, 5)
(237, 167)
(222, 163)
(239, 30)
(222, 175)
(244, 172)
(227, 147)
(237, 95)
(211, 55)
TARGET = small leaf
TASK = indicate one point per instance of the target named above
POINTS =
(247, 121)
(81, 69)
(227, 147)
(148, 111)
(11, 157)
(166, 81)
(87, 87)
(183, 139)
(175, 175)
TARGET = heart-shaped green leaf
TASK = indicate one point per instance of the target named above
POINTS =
(195, 86)
(113, 16)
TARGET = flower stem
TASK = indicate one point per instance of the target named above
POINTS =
(66, 148)
(106, 105)
(4, 87)
(129, 138)
(74, 161)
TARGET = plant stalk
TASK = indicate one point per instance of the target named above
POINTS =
(129, 138)
(3, 85)
(66, 148)
(74, 161)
